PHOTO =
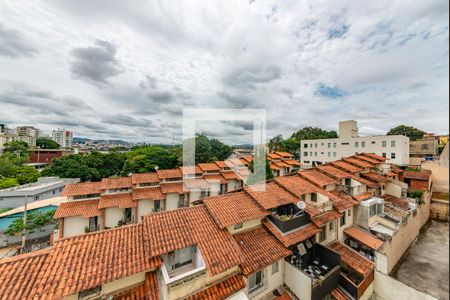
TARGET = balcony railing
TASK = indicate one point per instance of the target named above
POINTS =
(354, 289)
(286, 223)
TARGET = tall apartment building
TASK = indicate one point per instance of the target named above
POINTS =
(63, 137)
(28, 131)
(316, 152)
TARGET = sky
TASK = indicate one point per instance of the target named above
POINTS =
(127, 69)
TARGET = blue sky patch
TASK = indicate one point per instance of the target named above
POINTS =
(330, 91)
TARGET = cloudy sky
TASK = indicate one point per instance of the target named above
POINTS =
(127, 69)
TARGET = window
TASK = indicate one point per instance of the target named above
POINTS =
(372, 210)
(310, 145)
(182, 257)
(349, 212)
(392, 143)
(321, 144)
(238, 226)
(305, 145)
(329, 145)
(305, 153)
(315, 153)
(383, 144)
(127, 212)
(157, 205)
(314, 197)
(393, 155)
(310, 154)
(255, 281)
(334, 145)
(93, 223)
(315, 145)
(322, 235)
(356, 144)
(183, 200)
(424, 147)
(203, 194)
(306, 161)
(383, 154)
(329, 154)
(342, 220)
(363, 144)
(373, 142)
(334, 154)
(331, 225)
(90, 293)
(379, 209)
(275, 268)
(348, 181)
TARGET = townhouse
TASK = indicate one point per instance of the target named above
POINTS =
(314, 234)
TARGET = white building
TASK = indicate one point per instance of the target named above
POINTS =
(315, 152)
(28, 131)
(63, 137)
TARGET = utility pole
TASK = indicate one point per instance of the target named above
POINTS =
(24, 232)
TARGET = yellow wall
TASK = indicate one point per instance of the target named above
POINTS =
(75, 225)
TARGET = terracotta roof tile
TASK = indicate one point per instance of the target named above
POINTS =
(281, 164)
(172, 187)
(357, 162)
(338, 294)
(417, 175)
(221, 164)
(18, 274)
(273, 195)
(394, 212)
(272, 156)
(191, 169)
(86, 208)
(335, 172)
(342, 201)
(325, 217)
(115, 183)
(215, 178)
(144, 178)
(79, 189)
(230, 175)
(221, 290)
(364, 237)
(296, 185)
(401, 203)
(357, 262)
(148, 290)
(292, 238)
(85, 261)
(274, 166)
(151, 193)
(317, 178)
(247, 158)
(169, 173)
(346, 166)
(374, 156)
(363, 197)
(292, 162)
(177, 229)
(374, 177)
(367, 159)
(122, 200)
(283, 154)
(260, 249)
(233, 208)
(208, 167)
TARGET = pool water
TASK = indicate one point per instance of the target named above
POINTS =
(7, 220)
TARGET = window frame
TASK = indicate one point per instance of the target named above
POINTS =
(275, 267)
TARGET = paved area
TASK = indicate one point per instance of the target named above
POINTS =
(425, 265)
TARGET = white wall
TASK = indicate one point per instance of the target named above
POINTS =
(75, 225)
(112, 216)
(172, 201)
(298, 283)
(272, 281)
(348, 223)
(145, 207)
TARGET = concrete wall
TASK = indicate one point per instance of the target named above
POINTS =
(112, 216)
(348, 223)
(388, 288)
(245, 226)
(439, 210)
(145, 207)
(298, 283)
(272, 281)
(439, 175)
(75, 225)
(394, 190)
(172, 201)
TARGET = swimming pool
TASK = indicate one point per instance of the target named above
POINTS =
(5, 221)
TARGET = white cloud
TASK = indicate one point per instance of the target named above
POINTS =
(389, 60)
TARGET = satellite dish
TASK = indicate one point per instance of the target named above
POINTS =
(301, 205)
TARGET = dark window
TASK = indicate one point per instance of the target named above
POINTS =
(157, 205)
(343, 220)
(90, 293)
(314, 197)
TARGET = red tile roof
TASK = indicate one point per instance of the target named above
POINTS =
(247, 158)
(233, 208)
(357, 162)
(357, 262)
(177, 229)
(424, 175)
(363, 197)
(221, 290)
(86, 208)
(169, 173)
(151, 193)
(374, 177)
(367, 159)
(284, 296)
(85, 261)
(191, 169)
(230, 175)
(394, 212)
(335, 172)
(296, 185)
(325, 217)
(271, 156)
(260, 249)
(274, 166)
(116, 200)
(222, 164)
(215, 178)
(208, 167)
(292, 162)
(272, 196)
(148, 290)
(19, 274)
(401, 203)
(115, 183)
(281, 164)
(78, 189)
(346, 166)
(374, 156)
(364, 237)
(292, 238)
(144, 178)
(341, 201)
(283, 154)
(317, 178)
(172, 187)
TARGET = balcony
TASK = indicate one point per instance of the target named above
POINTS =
(182, 266)
(316, 271)
(355, 284)
(288, 217)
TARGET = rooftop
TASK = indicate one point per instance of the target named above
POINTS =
(364, 237)
(82, 188)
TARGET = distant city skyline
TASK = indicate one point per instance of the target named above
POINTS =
(126, 70)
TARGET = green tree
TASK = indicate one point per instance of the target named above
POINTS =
(26, 174)
(291, 145)
(17, 150)
(312, 133)
(35, 221)
(145, 158)
(413, 133)
(220, 150)
(46, 143)
(7, 165)
(8, 182)
(276, 143)
(72, 166)
(203, 149)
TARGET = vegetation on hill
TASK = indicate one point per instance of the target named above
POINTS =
(413, 133)
(292, 144)
(46, 143)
